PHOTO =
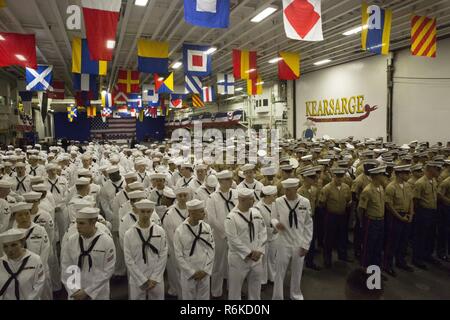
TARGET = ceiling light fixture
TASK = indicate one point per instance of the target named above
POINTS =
(275, 60)
(177, 65)
(264, 14)
(355, 30)
(110, 44)
(211, 50)
(141, 3)
(322, 62)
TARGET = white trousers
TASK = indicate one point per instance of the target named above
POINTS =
(220, 267)
(241, 270)
(195, 290)
(120, 267)
(55, 269)
(136, 293)
(269, 263)
(283, 257)
(173, 274)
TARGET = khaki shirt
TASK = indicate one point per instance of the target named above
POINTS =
(412, 183)
(359, 184)
(426, 193)
(372, 200)
(399, 196)
(311, 194)
(444, 175)
(444, 190)
(334, 199)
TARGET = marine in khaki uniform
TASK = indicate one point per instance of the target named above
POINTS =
(269, 176)
(310, 192)
(425, 203)
(287, 172)
(371, 210)
(336, 199)
(400, 213)
(443, 214)
(416, 174)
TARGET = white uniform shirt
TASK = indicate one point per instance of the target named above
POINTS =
(37, 241)
(266, 212)
(107, 194)
(130, 219)
(152, 266)
(299, 225)
(218, 206)
(256, 185)
(21, 185)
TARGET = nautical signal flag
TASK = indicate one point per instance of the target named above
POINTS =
(72, 113)
(176, 102)
(81, 59)
(85, 82)
(57, 90)
(39, 79)
(91, 111)
(303, 19)
(207, 13)
(254, 86)
(225, 83)
(153, 56)
(135, 101)
(423, 37)
(196, 61)
(208, 94)
(107, 100)
(197, 101)
(163, 85)
(289, 66)
(376, 37)
(17, 50)
(118, 95)
(100, 19)
(193, 84)
(106, 112)
(128, 81)
(244, 64)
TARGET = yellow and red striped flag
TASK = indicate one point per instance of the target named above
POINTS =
(423, 37)
(197, 101)
(255, 87)
(91, 111)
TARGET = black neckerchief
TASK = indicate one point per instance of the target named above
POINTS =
(133, 217)
(186, 184)
(86, 253)
(126, 195)
(20, 184)
(292, 214)
(33, 171)
(179, 213)
(251, 226)
(13, 276)
(119, 187)
(159, 195)
(267, 208)
(54, 186)
(228, 201)
(254, 188)
(207, 191)
(197, 237)
(146, 243)
(142, 178)
(36, 218)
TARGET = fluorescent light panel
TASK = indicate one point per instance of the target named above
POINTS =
(177, 65)
(355, 30)
(141, 3)
(211, 50)
(264, 14)
(275, 60)
(110, 44)
(322, 62)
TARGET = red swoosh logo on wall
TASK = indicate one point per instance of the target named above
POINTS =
(368, 109)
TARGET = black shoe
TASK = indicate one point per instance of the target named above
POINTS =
(391, 272)
(405, 267)
(433, 261)
(420, 265)
(314, 267)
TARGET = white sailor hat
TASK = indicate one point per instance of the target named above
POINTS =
(130, 175)
(179, 190)
(269, 190)
(51, 166)
(201, 166)
(86, 156)
(377, 170)
(87, 213)
(12, 235)
(211, 181)
(168, 193)
(84, 173)
(245, 192)
(290, 183)
(21, 206)
(32, 196)
(20, 165)
(324, 162)
(81, 203)
(136, 186)
(195, 204)
(337, 149)
(34, 179)
(114, 158)
(103, 167)
(137, 194)
(158, 176)
(5, 184)
(268, 171)
(41, 187)
(82, 181)
(247, 166)
(405, 168)
(187, 165)
(286, 167)
(33, 157)
(225, 174)
(112, 169)
(141, 163)
(145, 204)
(307, 157)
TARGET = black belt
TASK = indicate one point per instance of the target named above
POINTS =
(292, 214)
(13, 276)
(197, 237)
(251, 226)
(86, 253)
(146, 243)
